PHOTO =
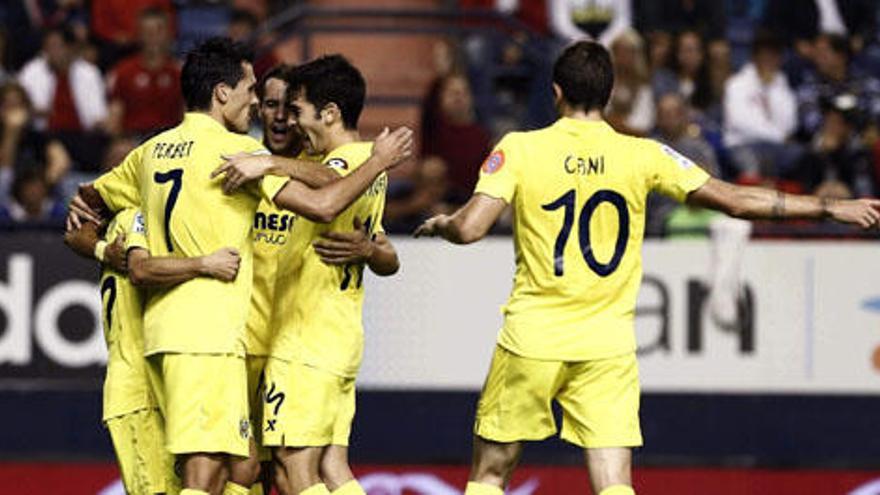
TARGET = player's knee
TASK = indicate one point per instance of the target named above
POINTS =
(245, 472)
(494, 463)
(204, 472)
(334, 470)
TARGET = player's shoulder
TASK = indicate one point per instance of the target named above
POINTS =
(348, 156)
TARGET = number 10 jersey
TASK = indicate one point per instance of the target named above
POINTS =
(578, 190)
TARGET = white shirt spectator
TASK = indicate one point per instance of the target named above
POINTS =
(757, 112)
(86, 85)
(617, 13)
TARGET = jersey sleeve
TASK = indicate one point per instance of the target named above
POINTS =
(674, 174)
(498, 172)
(136, 236)
(119, 187)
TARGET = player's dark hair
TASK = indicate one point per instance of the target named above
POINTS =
(215, 61)
(839, 44)
(585, 75)
(279, 71)
(332, 79)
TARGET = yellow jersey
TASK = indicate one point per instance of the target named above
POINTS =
(317, 314)
(126, 388)
(273, 226)
(187, 214)
(578, 192)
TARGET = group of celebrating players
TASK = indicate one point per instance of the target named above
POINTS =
(233, 277)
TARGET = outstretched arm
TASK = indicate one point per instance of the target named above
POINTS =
(760, 203)
(467, 225)
(167, 271)
(324, 204)
(244, 167)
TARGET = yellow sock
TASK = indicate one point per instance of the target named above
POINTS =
(256, 489)
(235, 489)
(350, 488)
(618, 490)
(319, 489)
(192, 491)
(474, 488)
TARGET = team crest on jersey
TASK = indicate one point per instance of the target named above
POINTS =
(244, 428)
(682, 160)
(337, 163)
(494, 162)
(138, 226)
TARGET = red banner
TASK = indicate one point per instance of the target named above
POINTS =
(101, 479)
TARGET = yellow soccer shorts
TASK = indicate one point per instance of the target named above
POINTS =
(139, 442)
(599, 399)
(306, 406)
(256, 366)
(204, 400)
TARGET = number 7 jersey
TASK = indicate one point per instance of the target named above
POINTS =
(578, 190)
(186, 214)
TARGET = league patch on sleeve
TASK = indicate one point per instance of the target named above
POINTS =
(493, 162)
(138, 225)
(682, 160)
(337, 163)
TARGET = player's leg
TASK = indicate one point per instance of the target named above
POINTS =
(207, 416)
(302, 469)
(492, 466)
(515, 405)
(244, 473)
(335, 470)
(600, 410)
(278, 477)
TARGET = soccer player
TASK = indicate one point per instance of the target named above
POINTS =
(131, 413)
(577, 189)
(317, 314)
(194, 332)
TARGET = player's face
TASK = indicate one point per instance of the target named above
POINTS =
(280, 133)
(241, 100)
(309, 120)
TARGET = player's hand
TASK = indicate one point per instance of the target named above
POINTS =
(393, 148)
(78, 211)
(222, 264)
(115, 254)
(82, 240)
(242, 168)
(862, 212)
(341, 248)
(432, 226)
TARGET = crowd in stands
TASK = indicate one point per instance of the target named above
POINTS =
(780, 93)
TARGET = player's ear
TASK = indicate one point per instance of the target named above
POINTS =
(557, 94)
(221, 93)
(330, 114)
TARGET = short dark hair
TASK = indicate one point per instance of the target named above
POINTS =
(216, 60)
(279, 71)
(332, 79)
(766, 40)
(585, 75)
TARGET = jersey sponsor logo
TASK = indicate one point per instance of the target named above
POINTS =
(244, 428)
(282, 222)
(139, 227)
(494, 162)
(682, 160)
(337, 163)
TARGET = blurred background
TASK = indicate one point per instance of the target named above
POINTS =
(759, 344)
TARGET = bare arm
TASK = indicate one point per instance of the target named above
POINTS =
(342, 248)
(167, 271)
(86, 242)
(245, 167)
(760, 203)
(467, 225)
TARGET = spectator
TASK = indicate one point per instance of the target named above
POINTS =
(5, 73)
(412, 199)
(839, 164)
(688, 74)
(631, 108)
(30, 201)
(760, 113)
(242, 27)
(115, 24)
(20, 145)
(675, 129)
(139, 83)
(834, 76)
(801, 21)
(599, 20)
(67, 93)
(456, 137)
